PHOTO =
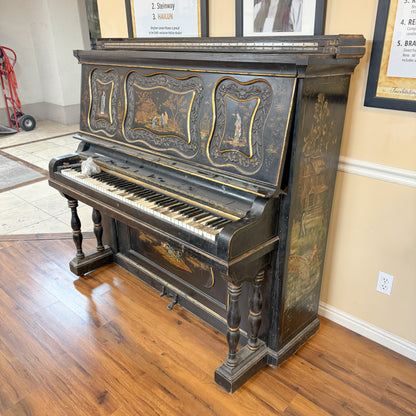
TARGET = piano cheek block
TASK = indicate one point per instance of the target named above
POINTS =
(218, 165)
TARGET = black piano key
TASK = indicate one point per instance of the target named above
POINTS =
(185, 210)
(201, 216)
(143, 193)
(99, 175)
(137, 188)
(102, 177)
(150, 197)
(204, 221)
(192, 215)
(156, 198)
(177, 207)
(212, 222)
(137, 192)
(114, 179)
(193, 212)
(221, 224)
(164, 198)
(127, 187)
(168, 203)
(161, 202)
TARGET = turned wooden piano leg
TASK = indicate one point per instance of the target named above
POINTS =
(233, 323)
(81, 263)
(240, 365)
(254, 317)
(98, 229)
(76, 227)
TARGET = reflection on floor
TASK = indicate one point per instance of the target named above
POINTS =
(36, 208)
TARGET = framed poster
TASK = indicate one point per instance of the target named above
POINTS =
(391, 79)
(280, 17)
(167, 18)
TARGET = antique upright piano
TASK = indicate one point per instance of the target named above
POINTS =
(217, 161)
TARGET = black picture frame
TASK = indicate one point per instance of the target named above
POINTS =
(204, 23)
(371, 98)
(319, 23)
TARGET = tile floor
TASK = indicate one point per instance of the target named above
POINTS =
(37, 208)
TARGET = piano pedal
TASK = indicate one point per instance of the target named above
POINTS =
(174, 302)
(174, 297)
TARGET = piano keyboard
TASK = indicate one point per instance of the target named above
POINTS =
(191, 218)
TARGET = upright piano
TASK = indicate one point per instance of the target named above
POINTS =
(215, 169)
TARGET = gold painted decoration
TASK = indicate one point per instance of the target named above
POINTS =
(104, 93)
(162, 112)
(240, 114)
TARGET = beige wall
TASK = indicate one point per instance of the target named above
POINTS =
(43, 34)
(373, 226)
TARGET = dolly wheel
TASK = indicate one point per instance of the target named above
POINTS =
(27, 122)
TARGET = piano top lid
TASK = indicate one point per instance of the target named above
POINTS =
(336, 46)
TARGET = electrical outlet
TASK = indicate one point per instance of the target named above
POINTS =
(385, 282)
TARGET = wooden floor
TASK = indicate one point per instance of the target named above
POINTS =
(107, 345)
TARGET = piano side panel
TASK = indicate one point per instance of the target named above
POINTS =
(306, 211)
(235, 124)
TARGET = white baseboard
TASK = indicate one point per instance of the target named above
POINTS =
(385, 173)
(382, 337)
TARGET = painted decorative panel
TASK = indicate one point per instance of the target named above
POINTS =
(314, 176)
(104, 91)
(162, 112)
(236, 123)
(240, 111)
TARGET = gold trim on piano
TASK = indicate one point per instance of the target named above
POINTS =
(90, 98)
(212, 278)
(214, 116)
(252, 251)
(285, 137)
(171, 194)
(207, 71)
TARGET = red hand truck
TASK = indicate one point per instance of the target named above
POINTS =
(15, 114)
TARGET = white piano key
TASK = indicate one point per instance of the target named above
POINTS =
(197, 226)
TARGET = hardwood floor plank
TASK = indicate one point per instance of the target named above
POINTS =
(300, 406)
(39, 402)
(372, 364)
(126, 365)
(15, 381)
(401, 396)
(27, 294)
(107, 345)
(327, 392)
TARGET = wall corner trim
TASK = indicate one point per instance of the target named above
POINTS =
(382, 337)
(373, 170)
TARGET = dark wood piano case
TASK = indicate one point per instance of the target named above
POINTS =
(248, 129)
